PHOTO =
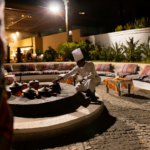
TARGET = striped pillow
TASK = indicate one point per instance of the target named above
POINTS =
(8, 68)
(103, 67)
(65, 66)
(28, 67)
(129, 68)
(146, 70)
(47, 67)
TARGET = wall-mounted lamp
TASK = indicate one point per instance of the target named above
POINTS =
(70, 32)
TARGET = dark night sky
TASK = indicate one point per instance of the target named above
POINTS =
(110, 13)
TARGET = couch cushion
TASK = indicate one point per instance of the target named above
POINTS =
(129, 68)
(8, 68)
(63, 71)
(28, 67)
(103, 67)
(50, 72)
(146, 70)
(65, 66)
(47, 66)
(32, 73)
(134, 77)
(103, 73)
(146, 79)
(17, 73)
(121, 75)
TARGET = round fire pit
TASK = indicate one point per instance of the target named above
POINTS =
(41, 106)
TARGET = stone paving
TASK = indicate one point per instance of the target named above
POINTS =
(124, 125)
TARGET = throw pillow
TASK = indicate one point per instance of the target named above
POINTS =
(8, 68)
(103, 67)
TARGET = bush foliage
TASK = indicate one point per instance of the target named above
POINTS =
(50, 55)
(138, 23)
(65, 49)
(133, 51)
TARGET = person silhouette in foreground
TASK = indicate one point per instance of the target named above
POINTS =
(86, 70)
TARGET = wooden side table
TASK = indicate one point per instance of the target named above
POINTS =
(117, 84)
(10, 79)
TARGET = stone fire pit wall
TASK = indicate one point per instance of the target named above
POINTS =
(69, 100)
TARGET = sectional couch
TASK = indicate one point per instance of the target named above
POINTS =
(50, 70)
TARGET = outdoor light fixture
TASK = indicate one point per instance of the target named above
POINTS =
(54, 7)
(17, 33)
(70, 32)
(13, 35)
(5, 73)
(82, 13)
(29, 16)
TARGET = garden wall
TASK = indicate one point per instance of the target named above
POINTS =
(56, 39)
(119, 37)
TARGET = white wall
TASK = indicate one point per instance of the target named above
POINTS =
(120, 37)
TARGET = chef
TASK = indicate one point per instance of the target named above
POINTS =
(89, 78)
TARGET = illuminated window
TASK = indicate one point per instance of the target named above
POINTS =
(82, 13)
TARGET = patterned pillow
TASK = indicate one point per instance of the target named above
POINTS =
(129, 68)
(146, 70)
(28, 67)
(103, 67)
(47, 67)
(65, 66)
(8, 68)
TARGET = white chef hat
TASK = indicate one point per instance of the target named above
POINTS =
(77, 54)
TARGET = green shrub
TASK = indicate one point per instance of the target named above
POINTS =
(146, 49)
(39, 52)
(118, 52)
(132, 50)
(129, 26)
(65, 49)
(141, 23)
(119, 28)
(144, 22)
(137, 24)
(95, 53)
(50, 55)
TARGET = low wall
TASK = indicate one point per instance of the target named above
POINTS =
(119, 37)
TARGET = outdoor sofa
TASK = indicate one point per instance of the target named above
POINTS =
(50, 71)
(39, 71)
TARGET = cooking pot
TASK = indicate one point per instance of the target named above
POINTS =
(29, 92)
(15, 87)
(44, 91)
(34, 83)
(24, 85)
(8, 93)
(56, 87)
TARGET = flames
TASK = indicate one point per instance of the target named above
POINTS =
(37, 93)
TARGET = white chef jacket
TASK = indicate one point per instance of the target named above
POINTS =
(88, 73)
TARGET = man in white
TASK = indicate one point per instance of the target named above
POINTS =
(87, 72)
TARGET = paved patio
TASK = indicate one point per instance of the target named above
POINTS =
(124, 124)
